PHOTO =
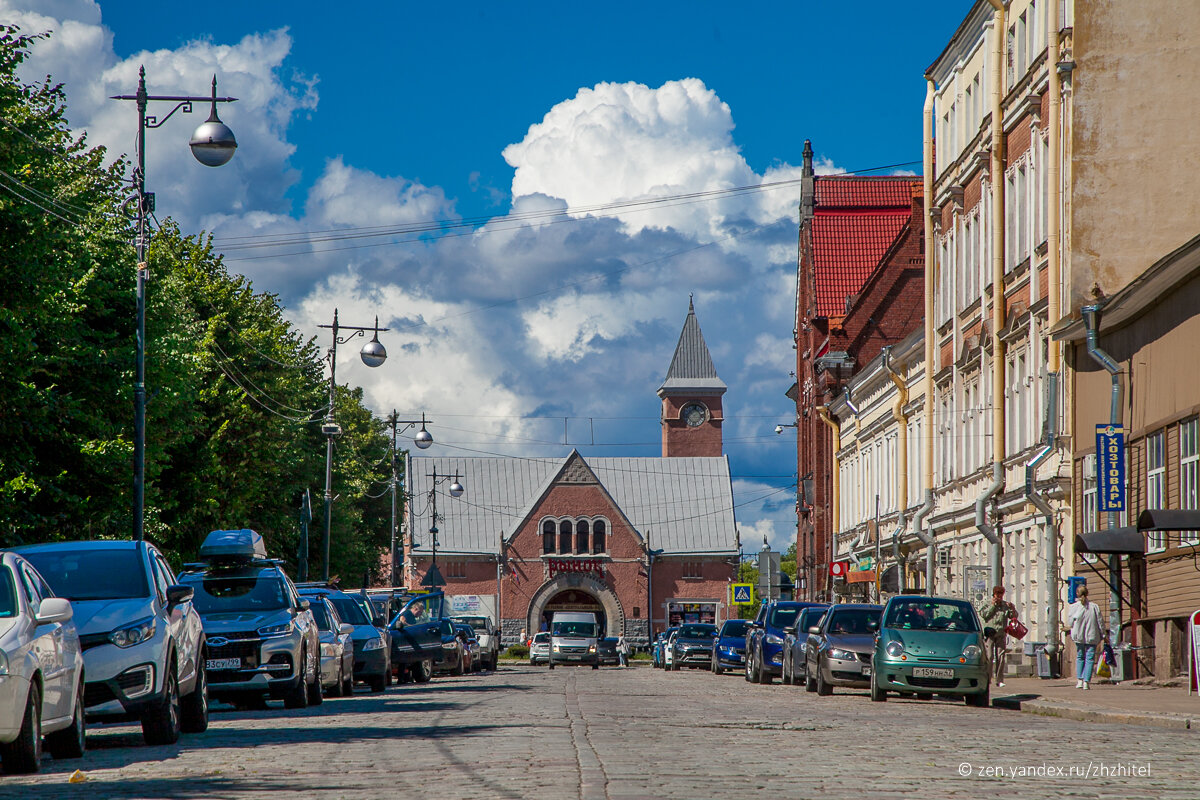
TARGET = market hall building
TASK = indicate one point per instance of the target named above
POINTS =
(643, 542)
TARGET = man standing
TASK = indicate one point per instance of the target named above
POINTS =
(623, 651)
(1087, 631)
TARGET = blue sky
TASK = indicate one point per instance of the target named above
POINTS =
(399, 114)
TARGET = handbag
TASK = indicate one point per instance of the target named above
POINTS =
(1110, 658)
(1015, 628)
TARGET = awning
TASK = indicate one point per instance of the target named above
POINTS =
(1168, 519)
(1123, 541)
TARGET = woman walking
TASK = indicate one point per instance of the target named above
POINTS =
(1087, 631)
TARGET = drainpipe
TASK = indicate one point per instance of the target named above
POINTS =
(836, 431)
(998, 254)
(848, 392)
(901, 419)
(930, 332)
(1091, 321)
(1040, 502)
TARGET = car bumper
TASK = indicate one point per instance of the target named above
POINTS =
(695, 658)
(118, 686)
(844, 672)
(275, 669)
(731, 658)
(961, 678)
(540, 657)
(370, 663)
(569, 659)
(14, 689)
(329, 669)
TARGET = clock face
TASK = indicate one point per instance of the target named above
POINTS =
(694, 415)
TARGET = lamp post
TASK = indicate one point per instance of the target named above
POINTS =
(373, 354)
(212, 144)
(422, 440)
(433, 576)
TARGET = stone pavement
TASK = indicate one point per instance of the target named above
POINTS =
(1126, 703)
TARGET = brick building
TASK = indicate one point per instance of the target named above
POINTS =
(859, 288)
(642, 542)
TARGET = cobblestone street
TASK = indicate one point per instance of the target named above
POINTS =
(525, 732)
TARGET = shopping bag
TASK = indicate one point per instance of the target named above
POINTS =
(1110, 657)
(1103, 670)
(1015, 628)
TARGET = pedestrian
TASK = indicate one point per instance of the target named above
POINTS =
(623, 651)
(525, 638)
(996, 616)
(1087, 632)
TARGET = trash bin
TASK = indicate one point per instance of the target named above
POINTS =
(1047, 664)
(1123, 669)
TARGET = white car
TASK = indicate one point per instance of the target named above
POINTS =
(41, 670)
(539, 649)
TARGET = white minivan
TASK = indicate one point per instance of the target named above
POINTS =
(574, 639)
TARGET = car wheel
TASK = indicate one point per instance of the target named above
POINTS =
(162, 724)
(336, 689)
(784, 677)
(347, 683)
(316, 692)
(24, 754)
(297, 695)
(878, 693)
(716, 665)
(764, 675)
(422, 671)
(823, 688)
(810, 683)
(195, 706)
(747, 673)
(981, 700)
(460, 667)
(70, 742)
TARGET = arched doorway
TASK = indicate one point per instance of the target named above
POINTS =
(577, 592)
(573, 600)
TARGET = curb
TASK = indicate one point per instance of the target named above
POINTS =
(1049, 708)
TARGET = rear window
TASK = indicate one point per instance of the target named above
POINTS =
(350, 610)
(321, 616)
(92, 574)
(217, 593)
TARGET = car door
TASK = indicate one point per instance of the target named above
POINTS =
(422, 630)
(176, 618)
(47, 643)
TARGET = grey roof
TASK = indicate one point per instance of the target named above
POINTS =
(692, 366)
(684, 504)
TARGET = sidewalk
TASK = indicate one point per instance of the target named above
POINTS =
(1128, 703)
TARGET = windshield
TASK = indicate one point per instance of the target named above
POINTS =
(419, 610)
(478, 623)
(585, 629)
(237, 593)
(735, 628)
(8, 594)
(934, 615)
(698, 631)
(783, 616)
(809, 618)
(350, 610)
(99, 574)
(541, 638)
(853, 621)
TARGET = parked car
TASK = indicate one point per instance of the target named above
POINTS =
(41, 691)
(489, 639)
(795, 640)
(142, 639)
(573, 639)
(372, 656)
(416, 634)
(337, 648)
(839, 652)
(262, 638)
(931, 644)
(539, 649)
(470, 645)
(729, 648)
(692, 645)
(607, 650)
(454, 653)
(658, 651)
(764, 641)
(669, 649)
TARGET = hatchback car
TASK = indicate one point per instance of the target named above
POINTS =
(606, 649)
(453, 658)
(692, 645)
(839, 652)
(764, 640)
(142, 639)
(729, 648)
(795, 640)
(337, 648)
(931, 644)
(41, 670)
(539, 649)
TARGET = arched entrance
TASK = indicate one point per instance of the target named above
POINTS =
(576, 592)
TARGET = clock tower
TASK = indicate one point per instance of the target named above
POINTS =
(691, 397)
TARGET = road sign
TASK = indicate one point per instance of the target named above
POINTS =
(838, 569)
(743, 594)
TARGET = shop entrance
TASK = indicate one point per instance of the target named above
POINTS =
(573, 600)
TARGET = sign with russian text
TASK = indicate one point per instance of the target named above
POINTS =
(590, 565)
(1110, 467)
(1195, 647)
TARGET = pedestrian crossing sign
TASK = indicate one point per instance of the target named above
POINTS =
(743, 594)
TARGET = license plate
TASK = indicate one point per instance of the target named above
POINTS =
(223, 663)
(930, 672)
(574, 658)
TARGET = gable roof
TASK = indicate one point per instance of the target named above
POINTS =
(692, 365)
(684, 504)
(855, 221)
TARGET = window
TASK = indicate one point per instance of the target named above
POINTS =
(693, 569)
(548, 536)
(598, 540)
(565, 534)
(581, 537)
(1189, 458)
(1156, 472)
(456, 569)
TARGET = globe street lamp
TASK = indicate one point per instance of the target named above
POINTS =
(423, 439)
(213, 145)
(433, 576)
(373, 354)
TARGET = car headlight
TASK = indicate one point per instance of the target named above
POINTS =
(894, 649)
(328, 650)
(138, 632)
(592, 649)
(556, 648)
(270, 631)
(971, 652)
(373, 644)
(773, 639)
(844, 655)
(449, 645)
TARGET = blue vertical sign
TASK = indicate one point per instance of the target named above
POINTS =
(1110, 467)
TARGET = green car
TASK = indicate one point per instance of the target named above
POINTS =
(931, 644)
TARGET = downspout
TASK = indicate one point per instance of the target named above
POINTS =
(1091, 321)
(1039, 501)
(901, 419)
(836, 432)
(848, 393)
(930, 331)
(998, 365)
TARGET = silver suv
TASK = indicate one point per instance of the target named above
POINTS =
(262, 638)
(142, 640)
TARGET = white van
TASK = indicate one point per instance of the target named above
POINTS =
(573, 639)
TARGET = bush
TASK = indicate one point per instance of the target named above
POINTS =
(517, 651)
(640, 657)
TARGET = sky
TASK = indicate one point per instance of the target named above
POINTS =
(526, 195)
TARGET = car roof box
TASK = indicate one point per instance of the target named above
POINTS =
(233, 546)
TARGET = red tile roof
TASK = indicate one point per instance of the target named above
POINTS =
(855, 222)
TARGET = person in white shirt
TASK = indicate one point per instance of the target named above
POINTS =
(1087, 632)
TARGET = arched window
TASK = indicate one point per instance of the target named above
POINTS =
(548, 536)
(599, 545)
(581, 537)
(564, 536)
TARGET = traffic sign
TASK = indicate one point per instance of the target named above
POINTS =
(838, 569)
(743, 594)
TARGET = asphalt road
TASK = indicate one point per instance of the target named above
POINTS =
(577, 733)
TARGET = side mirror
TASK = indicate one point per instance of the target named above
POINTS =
(345, 628)
(54, 609)
(790, 630)
(178, 593)
(815, 629)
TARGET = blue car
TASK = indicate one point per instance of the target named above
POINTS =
(764, 641)
(729, 649)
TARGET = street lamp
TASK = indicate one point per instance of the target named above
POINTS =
(373, 354)
(422, 439)
(433, 576)
(213, 145)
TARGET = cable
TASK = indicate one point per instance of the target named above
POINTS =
(263, 392)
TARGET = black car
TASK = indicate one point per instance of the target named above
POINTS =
(372, 656)
(607, 649)
(692, 645)
(417, 638)
(729, 648)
